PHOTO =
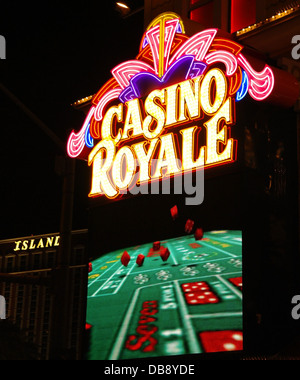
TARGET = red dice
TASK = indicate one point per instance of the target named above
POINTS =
(140, 260)
(165, 254)
(174, 212)
(199, 234)
(156, 246)
(125, 259)
(189, 226)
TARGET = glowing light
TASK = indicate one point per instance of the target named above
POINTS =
(89, 141)
(188, 162)
(267, 20)
(144, 158)
(189, 100)
(235, 82)
(227, 45)
(221, 90)
(261, 84)
(76, 142)
(123, 168)
(160, 38)
(106, 99)
(175, 81)
(122, 5)
(213, 155)
(125, 71)
(167, 158)
(155, 113)
(144, 83)
(165, 17)
(101, 158)
(171, 99)
(107, 125)
(243, 91)
(225, 57)
(133, 120)
(197, 46)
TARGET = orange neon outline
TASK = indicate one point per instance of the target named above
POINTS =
(191, 47)
(109, 85)
(226, 44)
(235, 82)
(222, 56)
(95, 126)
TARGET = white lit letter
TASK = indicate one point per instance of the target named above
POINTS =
(101, 167)
(216, 136)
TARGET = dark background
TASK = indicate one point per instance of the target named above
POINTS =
(60, 52)
(57, 52)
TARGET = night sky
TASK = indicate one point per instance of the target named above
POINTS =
(57, 53)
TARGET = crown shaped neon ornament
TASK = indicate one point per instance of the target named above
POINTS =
(175, 81)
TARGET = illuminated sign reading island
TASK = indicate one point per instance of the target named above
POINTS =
(169, 111)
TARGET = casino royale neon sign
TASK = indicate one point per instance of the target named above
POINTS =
(168, 112)
(193, 103)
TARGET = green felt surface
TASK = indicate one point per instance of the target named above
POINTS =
(142, 312)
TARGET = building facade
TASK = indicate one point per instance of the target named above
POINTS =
(28, 269)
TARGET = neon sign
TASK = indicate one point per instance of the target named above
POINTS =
(169, 111)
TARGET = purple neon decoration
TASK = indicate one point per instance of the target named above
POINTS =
(144, 83)
(127, 95)
(197, 69)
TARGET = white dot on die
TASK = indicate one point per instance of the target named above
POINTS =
(229, 346)
(237, 337)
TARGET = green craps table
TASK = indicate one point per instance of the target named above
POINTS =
(190, 304)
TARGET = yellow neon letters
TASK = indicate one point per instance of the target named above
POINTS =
(149, 150)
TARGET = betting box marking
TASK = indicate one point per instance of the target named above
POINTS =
(116, 284)
(114, 276)
(215, 315)
(220, 250)
(192, 340)
(101, 266)
(108, 280)
(122, 333)
(232, 288)
(229, 239)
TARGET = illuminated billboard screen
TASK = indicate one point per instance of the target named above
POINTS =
(189, 302)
